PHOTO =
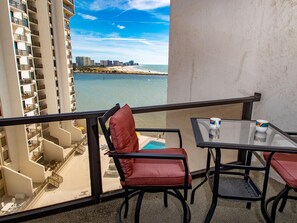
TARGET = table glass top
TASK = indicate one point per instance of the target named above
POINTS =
(244, 132)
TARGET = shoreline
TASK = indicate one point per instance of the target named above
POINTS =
(118, 70)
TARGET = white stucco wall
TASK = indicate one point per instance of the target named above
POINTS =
(233, 48)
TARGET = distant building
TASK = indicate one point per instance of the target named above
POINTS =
(97, 64)
(92, 62)
(83, 61)
(103, 63)
(116, 63)
(131, 62)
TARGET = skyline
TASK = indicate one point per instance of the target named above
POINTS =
(122, 29)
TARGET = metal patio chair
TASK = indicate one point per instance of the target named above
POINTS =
(158, 170)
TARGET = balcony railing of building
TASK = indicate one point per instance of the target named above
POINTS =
(39, 76)
(38, 66)
(32, 133)
(27, 95)
(32, 8)
(97, 194)
(18, 5)
(19, 21)
(37, 44)
(32, 20)
(35, 32)
(29, 108)
(67, 26)
(26, 81)
(24, 67)
(68, 8)
(42, 107)
(38, 55)
(40, 86)
(22, 52)
(20, 37)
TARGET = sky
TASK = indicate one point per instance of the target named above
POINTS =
(121, 30)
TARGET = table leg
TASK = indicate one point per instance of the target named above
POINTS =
(215, 187)
(248, 162)
(264, 190)
(205, 178)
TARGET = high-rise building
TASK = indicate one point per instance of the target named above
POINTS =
(83, 61)
(36, 78)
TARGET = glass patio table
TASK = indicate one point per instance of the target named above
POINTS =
(239, 135)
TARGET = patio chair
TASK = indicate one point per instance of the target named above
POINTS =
(286, 166)
(159, 170)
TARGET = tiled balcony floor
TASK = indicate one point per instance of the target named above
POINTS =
(153, 211)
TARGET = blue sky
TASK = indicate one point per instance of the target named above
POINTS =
(121, 30)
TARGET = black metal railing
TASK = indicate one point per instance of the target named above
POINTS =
(91, 118)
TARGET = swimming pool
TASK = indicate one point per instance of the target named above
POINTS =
(154, 145)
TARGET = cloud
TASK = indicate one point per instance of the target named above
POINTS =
(142, 5)
(161, 16)
(152, 49)
(89, 17)
(121, 27)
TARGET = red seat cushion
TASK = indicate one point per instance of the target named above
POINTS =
(285, 165)
(123, 136)
(158, 172)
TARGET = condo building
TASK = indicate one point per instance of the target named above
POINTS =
(36, 79)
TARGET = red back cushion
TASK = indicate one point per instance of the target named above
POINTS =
(123, 136)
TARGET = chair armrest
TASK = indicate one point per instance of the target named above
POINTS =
(162, 130)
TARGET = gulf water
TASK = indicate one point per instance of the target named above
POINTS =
(95, 91)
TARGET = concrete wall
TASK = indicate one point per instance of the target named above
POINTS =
(233, 48)
(52, 151)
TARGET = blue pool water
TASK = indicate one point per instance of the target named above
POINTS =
(154, 145)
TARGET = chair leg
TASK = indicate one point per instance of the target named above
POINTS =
(138, 206)
(126, 203)
(284, 202)
(194, 190)
(281, 194)
(187, 212)
(166, 198)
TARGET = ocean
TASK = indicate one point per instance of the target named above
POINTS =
(102, 91)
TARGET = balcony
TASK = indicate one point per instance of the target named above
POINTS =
(18, 21)
(69, 47)
(69, 9)
(29, 108)
(39, 66)
(20, 37)
(33, 144)
(22, 52)
(42, 107)
(17, 5)
(24, 67)
(39, 76)
(36, 44)
(32, 8)
(33, 132)
(27, 95)
(32, 20)
(67, 26)
(35, 32)
(41, 97)
(37, 55)
(26, 81)
(40, 86)
(100, 190)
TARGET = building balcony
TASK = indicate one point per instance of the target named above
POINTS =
(69, 47)
(36, 44)
(17, 5)
(32, 20)
(24, 67)
(69, 9)
(42, 107)
(26, 81)
(39, 76)
(33, 132)
(32, 8)
(41, 97)
(40, 86)
(18, 21)
(33, 144)
(73, 100)
(29, 108)
(35, 32)
(70, 66)
(67, 26)
(19, 37)
(27, 95)
(38, 66)
(37, 55)
(22, 52)
(72, 92)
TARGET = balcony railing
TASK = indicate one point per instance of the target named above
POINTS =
(35, 21)
(29, 108)
(35, 32)
(21, 52)
(94, 165)
(40, 86)
(24, 67)
(27, 95)
(41, 97)
(42, 107)
(19, 21)
(37, 44)
(38, 66)
(18, 5)
(26, 81)
(32, 8)
(20, 37)
(69, 8)
(37, 55)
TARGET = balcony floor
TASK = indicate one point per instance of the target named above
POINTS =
(152, 209)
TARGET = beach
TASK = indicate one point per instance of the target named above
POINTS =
(119, 70)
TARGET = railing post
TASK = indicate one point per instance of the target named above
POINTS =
(94, 158)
